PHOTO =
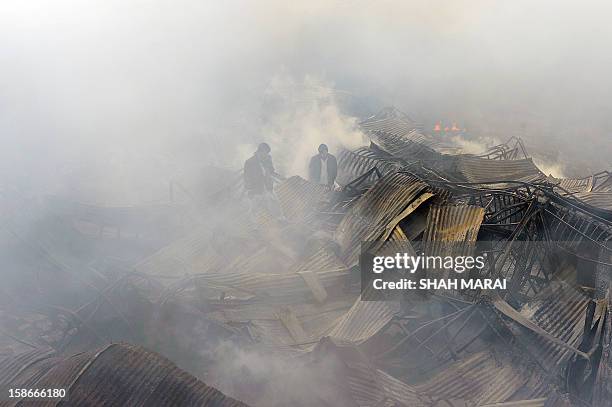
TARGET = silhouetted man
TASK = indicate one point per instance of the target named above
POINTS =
(259, 177)
(258, 172)
(323, 167)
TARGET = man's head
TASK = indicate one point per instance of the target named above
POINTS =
(323, 151)
(263, 150)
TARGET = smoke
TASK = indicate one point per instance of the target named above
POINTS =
(267, 379)
(556, 169)
(473, 146)
(187, 81)
(301, 115)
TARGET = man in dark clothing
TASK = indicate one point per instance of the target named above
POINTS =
(323, 167)
(259, 177)
(258, 171)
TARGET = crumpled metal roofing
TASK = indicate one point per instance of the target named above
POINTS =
(353, 164)
(299, 199)
(452, 223)
(406, 145)
(299, 326)
(378, 211)
(476, 169)
(560, 311)
(573, 185)
(602, 392)
(117, 375)
(600, 182)
(366, 385)
(482, 378)
(290, 285)
(389, 120)
(363, 320)
(601, 200)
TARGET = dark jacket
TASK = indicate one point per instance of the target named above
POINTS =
(314, 169)
(258, 175)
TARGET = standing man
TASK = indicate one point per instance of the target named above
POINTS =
(258, 172)
(259, 177)
(323, 167)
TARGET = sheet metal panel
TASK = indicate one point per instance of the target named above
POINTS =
(476, 169)
(353, 164)
(375, 211)
(482, 378)
(299, 199)
(120, 375)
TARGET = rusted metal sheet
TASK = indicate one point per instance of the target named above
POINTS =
(376, 212)
(452, 223)
(118, 375)
(475, 169)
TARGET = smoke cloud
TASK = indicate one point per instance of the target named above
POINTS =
(90, 84)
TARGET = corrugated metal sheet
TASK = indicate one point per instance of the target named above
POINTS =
(389, 120)
(602, 181)
(363, 320)
(407, 145)
(378, 211)
(476, 169)
(601, 200)
(481, 378)
(118, 375)
(451, 230)
(366, 385)
(573, 185)
(288, 285)
(196, 252)
(299, 199)
(560, 311)
(399, 391)
(353, 164)
(451, 224)
(205, 250)
(602, 392)
(11, 367)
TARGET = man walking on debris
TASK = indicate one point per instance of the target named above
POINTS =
(259, 177)
(323, 167)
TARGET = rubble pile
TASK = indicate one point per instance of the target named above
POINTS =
(290, 286)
